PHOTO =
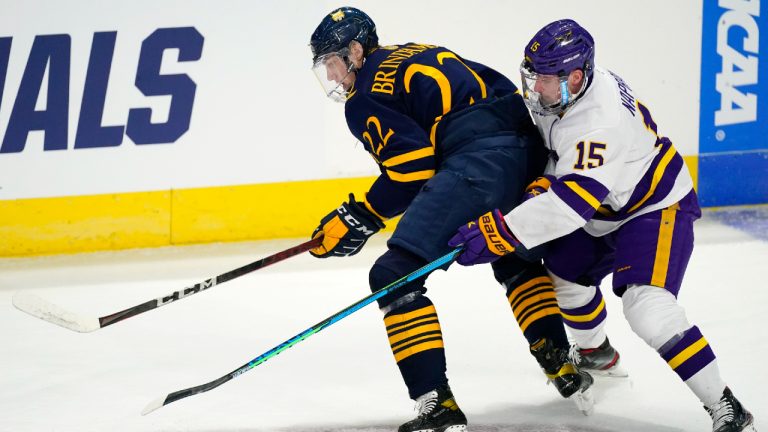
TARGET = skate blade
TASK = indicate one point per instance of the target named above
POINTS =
(584, 400)
(617, 371)
(454, 428)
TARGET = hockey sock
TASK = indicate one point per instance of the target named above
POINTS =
(691, 357)
(532, 299)
(655, 316)
(583, 310)
(417, 344)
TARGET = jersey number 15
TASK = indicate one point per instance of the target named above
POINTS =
(590, 150)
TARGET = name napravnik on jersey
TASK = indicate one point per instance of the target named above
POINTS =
(738, 69)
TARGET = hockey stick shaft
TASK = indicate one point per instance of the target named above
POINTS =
(338, 316)
(209, 283)
(52, 313)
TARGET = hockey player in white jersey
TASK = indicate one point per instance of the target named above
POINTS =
(616, 198)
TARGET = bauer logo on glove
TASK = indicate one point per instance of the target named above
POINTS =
(493, 238)
(346, 229)
(484, 241)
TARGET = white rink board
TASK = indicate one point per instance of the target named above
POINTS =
(258, 114)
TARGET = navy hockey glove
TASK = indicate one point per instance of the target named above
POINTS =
(346, 229)
(485, 240)
(538, 186)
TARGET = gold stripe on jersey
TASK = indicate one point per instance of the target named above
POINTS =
(606, 211)
(410, 156)
(373, 210)
(688, 353)
(532, 301)
(586, 317)
(442, 82)
(657, 175)
(586, 196)
(664, 246)
(413, 332)
(409, 177)
(449, 55)
(433, 131)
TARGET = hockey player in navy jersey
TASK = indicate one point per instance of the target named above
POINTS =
(616, 198)
(443, 131)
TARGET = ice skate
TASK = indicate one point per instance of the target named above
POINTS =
(601, 361)
(729, 415)
(437, 412)
(564, 375)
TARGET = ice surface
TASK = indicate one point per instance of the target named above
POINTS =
(344, 378)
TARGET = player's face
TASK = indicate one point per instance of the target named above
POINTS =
(548, 86)
(542, 93)
(338, 72)
(335, 74)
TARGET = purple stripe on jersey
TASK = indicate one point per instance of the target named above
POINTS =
(669, 172)
(664, 186)
(696, 361)
(583, 311)
(582, 196)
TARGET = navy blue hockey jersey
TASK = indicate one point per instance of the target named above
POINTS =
(398, 99)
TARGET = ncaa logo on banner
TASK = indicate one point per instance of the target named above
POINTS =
(46, 78)
(732, 82)
(733, 117)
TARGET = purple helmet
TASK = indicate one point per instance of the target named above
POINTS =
(559, 48)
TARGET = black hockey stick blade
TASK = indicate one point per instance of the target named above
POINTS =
(54, 314)
(338, 316)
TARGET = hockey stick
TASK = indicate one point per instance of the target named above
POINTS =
(52, 313)
(338, 316)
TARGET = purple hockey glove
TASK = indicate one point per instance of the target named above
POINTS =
(538, 186)
(484, 240)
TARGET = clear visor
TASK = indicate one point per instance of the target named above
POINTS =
(544, 94)
(335, 74)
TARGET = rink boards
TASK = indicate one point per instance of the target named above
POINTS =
(122, 130)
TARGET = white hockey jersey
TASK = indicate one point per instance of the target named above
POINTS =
(610, 163)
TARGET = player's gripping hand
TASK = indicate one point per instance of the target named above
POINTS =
(484, 240)
(538, 186)
(345, 230)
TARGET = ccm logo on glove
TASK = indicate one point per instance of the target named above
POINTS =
(346, 229)
(351, 221)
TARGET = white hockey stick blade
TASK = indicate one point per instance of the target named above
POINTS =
(155, 404)
(47, 311)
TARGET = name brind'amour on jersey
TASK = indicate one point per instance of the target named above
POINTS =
(384, 78)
